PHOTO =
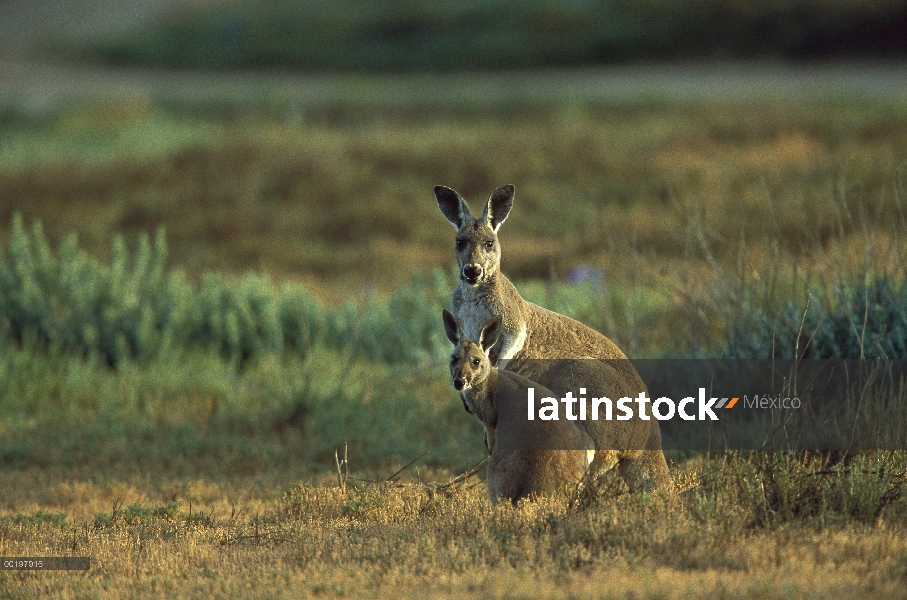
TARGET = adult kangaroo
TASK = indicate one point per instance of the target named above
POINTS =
(535, 341)
(515, 469)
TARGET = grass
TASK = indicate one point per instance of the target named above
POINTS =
(738, 530)
(681, 214)
(195, 413)
(198, 470)
(672, 181)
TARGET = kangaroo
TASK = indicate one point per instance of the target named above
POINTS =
(514, 472)
(535, 341)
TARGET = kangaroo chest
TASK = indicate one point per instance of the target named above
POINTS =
(473, 309)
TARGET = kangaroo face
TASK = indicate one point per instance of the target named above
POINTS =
(478, 252)
(477, 249)
(469, 366)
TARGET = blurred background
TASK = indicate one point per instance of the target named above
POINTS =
(292, 137)
(194, 194)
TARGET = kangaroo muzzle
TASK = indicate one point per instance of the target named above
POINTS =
(471, 273)
(460, 384)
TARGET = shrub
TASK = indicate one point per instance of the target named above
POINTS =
(135, 308)
(868, 321)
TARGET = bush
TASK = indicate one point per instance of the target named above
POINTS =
(135, 308)
(868, 321)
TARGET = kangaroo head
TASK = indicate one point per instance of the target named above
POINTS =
(477, 248)
(469, 364)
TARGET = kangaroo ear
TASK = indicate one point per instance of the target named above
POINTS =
(491, 331)
(498, 207)
(452, 206)
(451, 327)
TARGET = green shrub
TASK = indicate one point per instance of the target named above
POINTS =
(135, 308)
(868, 321)
(42, 517)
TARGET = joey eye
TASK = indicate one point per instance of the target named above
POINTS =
(489, 245)
(476, 362)
(460, 244)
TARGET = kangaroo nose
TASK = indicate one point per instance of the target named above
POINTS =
(472, 272)
(459, 383)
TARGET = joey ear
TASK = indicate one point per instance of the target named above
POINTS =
(452, 205)
(491, 331)
(498, 207)
(451, 327)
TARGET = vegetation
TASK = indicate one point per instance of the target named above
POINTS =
(870, 322)
(747, 526)
(629, 217)
(134, 309)
(199, 308)
(401, 35)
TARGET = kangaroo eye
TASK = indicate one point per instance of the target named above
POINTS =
(453, 357)
(475, 362)
(460, 244)
(489, 244)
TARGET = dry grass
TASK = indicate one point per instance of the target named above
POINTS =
(395, 540)
(342, 200)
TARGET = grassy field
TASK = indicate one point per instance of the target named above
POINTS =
(666, 204)
(176, 418)
(758, 526)
(322, 196)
